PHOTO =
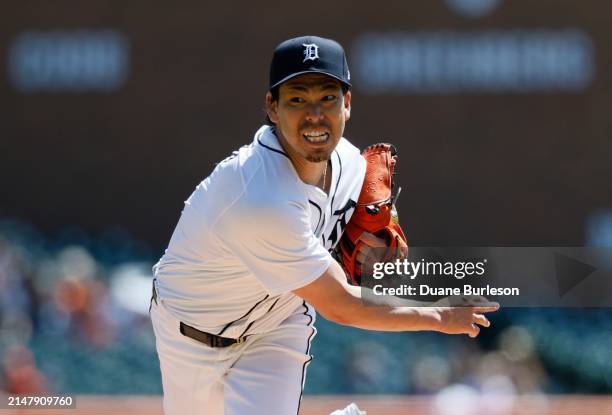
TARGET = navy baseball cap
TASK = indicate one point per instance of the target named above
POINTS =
(308, 54)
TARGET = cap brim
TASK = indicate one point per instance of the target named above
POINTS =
(293, 75)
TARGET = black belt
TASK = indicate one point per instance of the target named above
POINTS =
(211, 340)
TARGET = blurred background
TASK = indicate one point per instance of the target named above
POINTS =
(112, 112)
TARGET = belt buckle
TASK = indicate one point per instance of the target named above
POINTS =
(240, 340)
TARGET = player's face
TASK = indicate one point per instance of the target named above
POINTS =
(310, 115)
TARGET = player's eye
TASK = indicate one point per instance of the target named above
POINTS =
(329, 98)
(296, 100)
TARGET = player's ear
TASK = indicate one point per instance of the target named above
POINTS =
(347, 105)
(272, 108)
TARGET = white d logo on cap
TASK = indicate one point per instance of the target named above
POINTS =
(311, 51)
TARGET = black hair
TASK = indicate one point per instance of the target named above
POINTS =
(274, 93)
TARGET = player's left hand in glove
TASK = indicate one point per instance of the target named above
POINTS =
(373, 233)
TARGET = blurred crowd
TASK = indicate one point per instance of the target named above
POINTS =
(74, 319)
(74, 313)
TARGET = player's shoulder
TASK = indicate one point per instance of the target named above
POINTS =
(349, 158)
(348, 152)
(267, 203)
(269, 180)
(227, 180)
(226, 184)
(277, 174)
(346, 147)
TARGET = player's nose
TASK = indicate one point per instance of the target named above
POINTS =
(314, 112)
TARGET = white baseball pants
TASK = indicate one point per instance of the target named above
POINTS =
(264, 375)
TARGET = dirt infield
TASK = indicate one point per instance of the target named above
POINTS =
(323, 405)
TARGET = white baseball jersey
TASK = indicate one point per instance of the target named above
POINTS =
(251, 233)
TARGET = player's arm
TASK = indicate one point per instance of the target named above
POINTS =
(342, 303)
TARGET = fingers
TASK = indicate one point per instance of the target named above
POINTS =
(401, 251)
(479, 301)
(470, 301)
(477, 319)
(482, 320)
(368, 251)
(473, 332)
(487, 309)
(360, 257)
(373, 240)
(476, 300)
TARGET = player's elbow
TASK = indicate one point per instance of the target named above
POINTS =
(335, 315)
(339, 307)
(345, 310)
(332, 297)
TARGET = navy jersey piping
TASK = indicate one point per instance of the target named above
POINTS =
(337, 181)
(320, 215)
(272, 148)
(307, 353)
(247, 313)
(250, 324)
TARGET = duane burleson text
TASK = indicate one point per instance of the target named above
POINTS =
(424, 289)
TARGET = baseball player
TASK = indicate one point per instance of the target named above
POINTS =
(235, 292)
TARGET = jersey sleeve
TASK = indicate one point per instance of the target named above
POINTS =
(276, 243)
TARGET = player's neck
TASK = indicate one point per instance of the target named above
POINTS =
(316, 174)
(325, 181)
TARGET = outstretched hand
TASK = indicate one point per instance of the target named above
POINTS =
(464, 314)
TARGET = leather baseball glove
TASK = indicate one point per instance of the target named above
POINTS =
(373, 233)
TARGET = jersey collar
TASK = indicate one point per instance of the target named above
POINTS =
(266, 138)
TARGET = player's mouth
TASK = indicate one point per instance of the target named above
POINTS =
(316, 137)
